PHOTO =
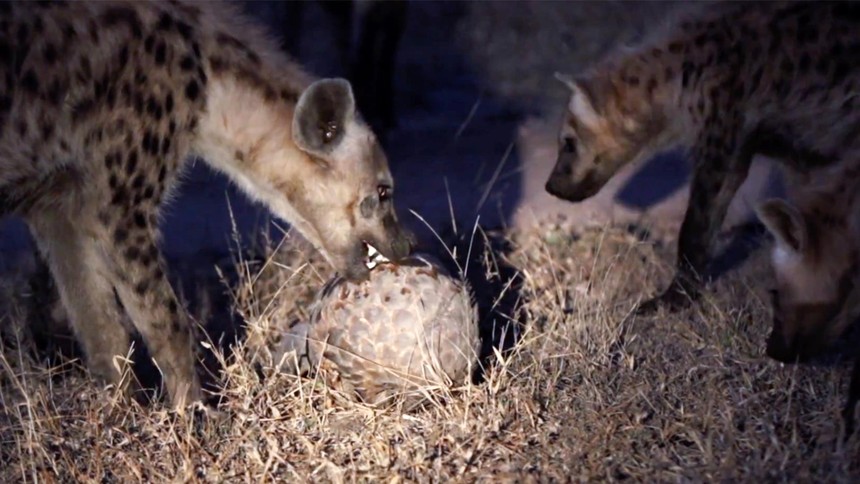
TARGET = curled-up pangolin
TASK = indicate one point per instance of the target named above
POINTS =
(411, 325)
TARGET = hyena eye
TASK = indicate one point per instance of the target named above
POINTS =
(569, 145)
(384, 192)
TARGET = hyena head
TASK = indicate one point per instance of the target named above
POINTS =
(346, 201)
(814, 261)
(603, 130)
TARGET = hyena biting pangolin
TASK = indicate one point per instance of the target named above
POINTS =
(102, 103)
(816, 261)
(779, 79)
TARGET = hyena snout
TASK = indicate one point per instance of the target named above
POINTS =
(798, 349)
(793, 340)
(394, 242)
(781, 349)
(563, 184)
(398, 243)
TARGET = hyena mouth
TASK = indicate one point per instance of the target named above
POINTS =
(373, 257)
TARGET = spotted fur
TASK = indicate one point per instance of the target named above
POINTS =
(101, 106)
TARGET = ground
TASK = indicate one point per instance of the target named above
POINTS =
(587, 392)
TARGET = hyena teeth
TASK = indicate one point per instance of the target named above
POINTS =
(374, 257)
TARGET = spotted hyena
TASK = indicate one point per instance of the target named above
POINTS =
(815, 258)
(816, 261)
(101, 105)
(780, 79)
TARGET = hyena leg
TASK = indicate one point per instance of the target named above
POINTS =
(847, 315)
(720, 171)
(853, 398)
(152, 305)
(81, 274)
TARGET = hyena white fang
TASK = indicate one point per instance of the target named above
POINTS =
(779, 79)
(101, 103)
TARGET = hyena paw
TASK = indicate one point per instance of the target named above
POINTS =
(185, 395)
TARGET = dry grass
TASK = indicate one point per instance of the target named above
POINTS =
(588, 393)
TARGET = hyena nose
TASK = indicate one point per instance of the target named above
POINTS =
(557, 186)
(780, 350)
(404, 244)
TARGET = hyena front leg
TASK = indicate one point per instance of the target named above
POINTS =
(722, 165)
(153, 306)
(853, 398)
(129, 236)
(847, 315)
(82, 276)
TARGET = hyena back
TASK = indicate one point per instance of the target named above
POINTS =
(101, 104)
(779, 79)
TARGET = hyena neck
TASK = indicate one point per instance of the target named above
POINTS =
(644, 95)
(830, 198)
(247, 135)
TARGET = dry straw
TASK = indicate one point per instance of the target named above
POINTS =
(586, 394)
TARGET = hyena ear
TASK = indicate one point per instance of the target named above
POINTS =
(565, 79)
(581, 103)
(785, 222)
(322, 114)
